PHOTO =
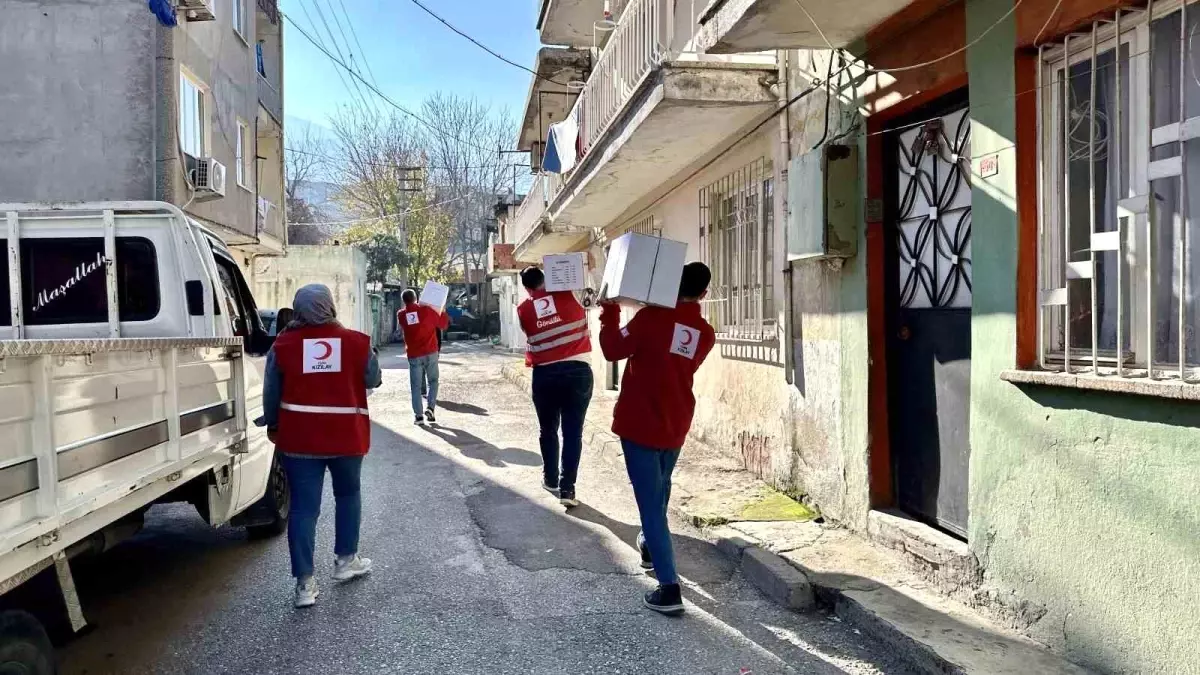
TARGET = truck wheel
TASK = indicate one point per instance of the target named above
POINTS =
(25, 648)
(275, 504)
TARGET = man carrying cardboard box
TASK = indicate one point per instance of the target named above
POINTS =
(556, 329)
(421, 324)
(664, 348)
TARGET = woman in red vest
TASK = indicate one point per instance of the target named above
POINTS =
(315, 408)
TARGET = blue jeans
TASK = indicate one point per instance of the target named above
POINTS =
(306, 480)
(650, 472)
(561, 394)
(421, 371)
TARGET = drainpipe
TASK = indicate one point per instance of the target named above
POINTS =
(781, 192)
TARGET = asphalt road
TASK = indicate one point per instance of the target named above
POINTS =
(477, 570)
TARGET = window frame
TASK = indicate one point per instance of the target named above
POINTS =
(125, 315)
(1134, 356)
(749, 311)
(243, 155)
(239, 19)
(202, 125)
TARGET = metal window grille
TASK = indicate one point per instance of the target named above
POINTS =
(1120, 111)
(737, 235)
(646, 225)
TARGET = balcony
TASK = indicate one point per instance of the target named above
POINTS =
(651, 108)
(576, 23)
(551, 95)
(268, 53)
(735, 26)
(270, 99)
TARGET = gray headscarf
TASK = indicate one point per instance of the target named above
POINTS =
(313, 306)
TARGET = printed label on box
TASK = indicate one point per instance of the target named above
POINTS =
(686, 341)
(412, 318)
(323, 355)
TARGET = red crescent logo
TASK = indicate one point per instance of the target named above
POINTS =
(543, 303)
(328, 350)
(688, 337)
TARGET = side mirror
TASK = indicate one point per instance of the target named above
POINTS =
(259, 343)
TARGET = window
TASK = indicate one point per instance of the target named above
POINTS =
(1119, 272)
(737, 236)
(192, 121)
(244, 154)
(5, 292)
(235, 299)
(239, 17)
(63, 280)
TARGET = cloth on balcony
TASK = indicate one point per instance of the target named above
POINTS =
(164, 10)
(562, 146)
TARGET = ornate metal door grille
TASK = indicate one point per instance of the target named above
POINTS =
(934, 220)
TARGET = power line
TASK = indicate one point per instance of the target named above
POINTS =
(484, 47)
(429, 125)
(350, 90)
(361, 52)
(396, 165)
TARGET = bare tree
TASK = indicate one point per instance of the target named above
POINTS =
(468, 168)
(303, 163)
(381, 173)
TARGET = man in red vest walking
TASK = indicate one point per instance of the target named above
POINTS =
(559, 350)
(315, 409)
(664, 348)
(421, 325)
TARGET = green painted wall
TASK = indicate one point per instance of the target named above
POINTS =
(1082, 503)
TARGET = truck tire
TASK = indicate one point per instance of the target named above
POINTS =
(274, 504)
(25, 648)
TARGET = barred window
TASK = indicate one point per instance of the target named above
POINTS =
(1120, 116)
(737, 235)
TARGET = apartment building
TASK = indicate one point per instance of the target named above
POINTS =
(953, 280)
(111, 101)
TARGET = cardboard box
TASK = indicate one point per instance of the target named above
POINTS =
(565, 272)
(435, 295)
(644, 270)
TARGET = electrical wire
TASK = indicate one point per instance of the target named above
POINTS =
(320, 44)
(484, 47)
(387, 99)
(1046, 25)
(361, 52)
(978, 38)
(394, 215)
(396, 165)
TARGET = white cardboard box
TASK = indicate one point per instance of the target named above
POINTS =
(565, 272)
(644, 270)
(435, 294)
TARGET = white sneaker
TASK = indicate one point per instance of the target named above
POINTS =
(351, 568)
(306, 592)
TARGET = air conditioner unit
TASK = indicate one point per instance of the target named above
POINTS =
(197, 10)
(208, 177)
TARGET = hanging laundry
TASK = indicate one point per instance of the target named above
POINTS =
(561, 146)
(164, 10)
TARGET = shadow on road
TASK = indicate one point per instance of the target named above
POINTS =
(464, 408)
(474, 447)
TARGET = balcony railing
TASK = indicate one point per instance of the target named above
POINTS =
(270, 98)
(271, 9)
(270, 219)
(639, 43)
(530, 212)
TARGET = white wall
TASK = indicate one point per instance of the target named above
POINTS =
(342, 268)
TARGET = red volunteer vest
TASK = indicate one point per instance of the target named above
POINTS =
(555, 326)
(324, 404)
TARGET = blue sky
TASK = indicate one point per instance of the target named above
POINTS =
(410, 53)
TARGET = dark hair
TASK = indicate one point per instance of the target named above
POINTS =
(694, 282)
(409, 296)
(532, 278)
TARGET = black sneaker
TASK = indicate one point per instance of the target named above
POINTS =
(429, 416)
(647, 562)
(666, 599)
(420, 420)
(567, 498)
(552, 489)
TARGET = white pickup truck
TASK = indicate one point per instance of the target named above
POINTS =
(132, 367)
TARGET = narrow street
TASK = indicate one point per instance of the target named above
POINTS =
(477, 570)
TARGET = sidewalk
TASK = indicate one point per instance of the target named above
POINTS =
(907, 589)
